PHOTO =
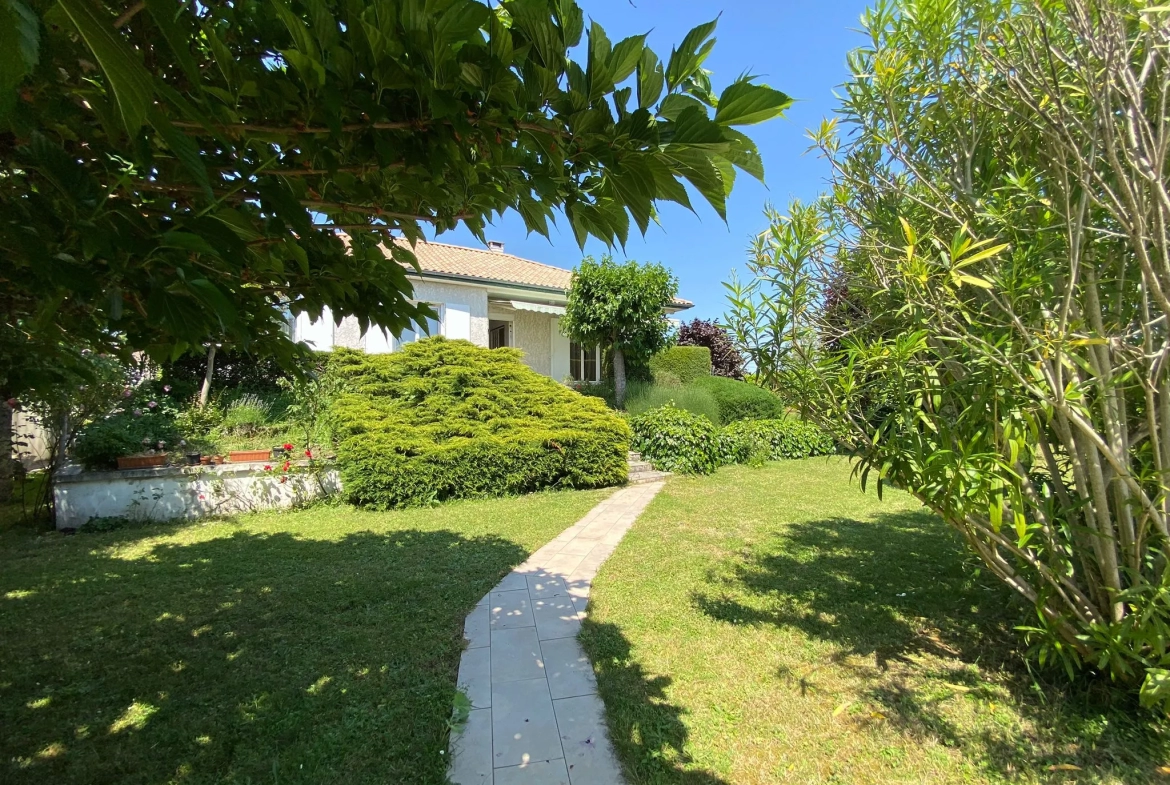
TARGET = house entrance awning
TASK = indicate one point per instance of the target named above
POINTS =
(555, 310)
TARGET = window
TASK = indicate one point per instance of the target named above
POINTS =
(434, 327)
(584, 363)
(498, 333)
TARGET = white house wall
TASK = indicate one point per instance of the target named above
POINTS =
(560, 351)
(464, 313)
(532, 335)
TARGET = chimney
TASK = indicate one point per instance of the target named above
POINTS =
(495, 245)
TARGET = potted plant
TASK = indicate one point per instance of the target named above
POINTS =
(248, 456)
(148, 458)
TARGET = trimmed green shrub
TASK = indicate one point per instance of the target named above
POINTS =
(686, 363)
(749, 441)
(447, 419)
(738, 400)
(676, 440)
(643, 397)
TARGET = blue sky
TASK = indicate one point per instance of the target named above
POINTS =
(797, 46)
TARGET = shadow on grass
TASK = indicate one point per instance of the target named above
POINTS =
(647, 731)
(246, 658)
(909, 613)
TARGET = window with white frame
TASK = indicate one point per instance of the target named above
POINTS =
(434, 327)
(584, 363)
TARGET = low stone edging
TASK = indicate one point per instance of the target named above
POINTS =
(169, 492)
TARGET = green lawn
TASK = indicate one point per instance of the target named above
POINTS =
(315, 646)
(776, 625)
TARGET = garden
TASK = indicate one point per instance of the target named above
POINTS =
(917, 523)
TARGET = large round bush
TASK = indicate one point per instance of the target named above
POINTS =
(738, 400)
(447, 419)
(676, 440)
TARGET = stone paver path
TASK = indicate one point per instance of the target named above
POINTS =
(536, 718)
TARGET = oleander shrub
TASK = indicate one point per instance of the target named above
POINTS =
(676, 440)
(444, 419)
(749, 441)
(686, 363)
(738, 400)
(643, 396)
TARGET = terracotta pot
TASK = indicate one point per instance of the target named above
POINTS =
(142, 461)
(204, 460)
(248, 456)
(217, 460)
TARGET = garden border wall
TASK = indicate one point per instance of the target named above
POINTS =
(169, 492)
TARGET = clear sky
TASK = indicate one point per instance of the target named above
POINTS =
(797, 46)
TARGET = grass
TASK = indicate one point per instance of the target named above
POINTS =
(643, 396)
(776, 625)
(316, 646)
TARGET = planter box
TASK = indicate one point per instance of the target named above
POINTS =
(142, 461)
(245, 456)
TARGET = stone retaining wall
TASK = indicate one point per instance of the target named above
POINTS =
(169, 492)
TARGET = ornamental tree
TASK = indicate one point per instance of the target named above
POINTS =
(180, 174)
(1004, 242)
(622, 307)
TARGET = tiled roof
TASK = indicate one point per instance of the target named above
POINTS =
(499, 266)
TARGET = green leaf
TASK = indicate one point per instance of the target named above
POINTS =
(744, 103)
(19, 49)
(626, 56)
(132, 84)
(690, 54)
(651, 80)
(187, 241)
(184, 149)
(165, 13)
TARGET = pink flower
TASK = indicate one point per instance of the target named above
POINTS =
(202, 497)
(166, 388)
(152, 404)
(268, 467)
(126, 392)
(137, 412)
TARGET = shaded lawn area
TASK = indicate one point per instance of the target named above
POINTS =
(314, 646)
(776, 625)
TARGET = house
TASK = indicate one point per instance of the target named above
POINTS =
(488, 297)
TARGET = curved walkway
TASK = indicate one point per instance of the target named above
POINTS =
(536, 718)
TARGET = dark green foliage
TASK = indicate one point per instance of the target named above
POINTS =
(773, 440)
(676, 440)
(239, 371)
(446, 420)
(741, 400)
(685, 363)
(176, 173)
(101, 443)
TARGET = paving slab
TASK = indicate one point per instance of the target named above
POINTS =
(536, 716)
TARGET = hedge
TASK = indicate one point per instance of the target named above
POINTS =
(773, 440)
(740, 400)
(676, 440)
(685, 363)
(445, 419)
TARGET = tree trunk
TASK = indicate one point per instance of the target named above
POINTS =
(7, 467)
(205, 391)
(619, 377)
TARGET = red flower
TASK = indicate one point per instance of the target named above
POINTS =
(288, 446)
(286, 465)
(284, 479)
(267, 467)
(202, 497)
(308, 453)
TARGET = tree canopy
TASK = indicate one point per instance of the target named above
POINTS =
(620, 306)
(176, 173)
(992, 288)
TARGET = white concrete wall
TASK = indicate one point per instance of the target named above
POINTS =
(463, 314)
(533, 336)
(560, 351)
(167, 493)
